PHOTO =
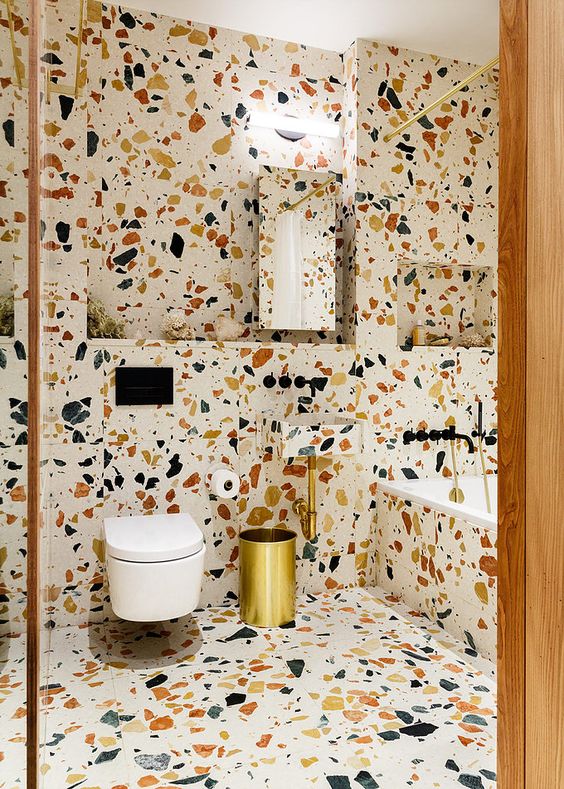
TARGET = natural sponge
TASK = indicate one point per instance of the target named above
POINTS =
(101, 324)
(7, 315)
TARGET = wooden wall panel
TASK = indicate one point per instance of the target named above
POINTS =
(544, 745)
(511, 393)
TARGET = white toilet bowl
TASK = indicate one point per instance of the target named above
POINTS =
(155, 566)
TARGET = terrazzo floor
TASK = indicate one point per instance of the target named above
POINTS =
(359, 692)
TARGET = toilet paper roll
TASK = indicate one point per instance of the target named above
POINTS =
(224, 483)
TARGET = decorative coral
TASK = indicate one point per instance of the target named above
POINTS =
(472, 340)
(7, 315)
(101, 324)
(175, 326)
(228, 329)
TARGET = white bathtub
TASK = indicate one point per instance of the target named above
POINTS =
(433, 493)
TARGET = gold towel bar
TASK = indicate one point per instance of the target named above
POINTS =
(307, 196)
(426, 110)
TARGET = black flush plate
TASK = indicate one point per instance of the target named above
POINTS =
(144, 386)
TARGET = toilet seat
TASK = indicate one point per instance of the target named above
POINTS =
(155, 566)
(152, 538)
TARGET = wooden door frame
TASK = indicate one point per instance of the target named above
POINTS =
(512, 347)
(544, 554)
(530, 398)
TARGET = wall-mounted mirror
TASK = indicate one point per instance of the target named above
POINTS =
(297, 249)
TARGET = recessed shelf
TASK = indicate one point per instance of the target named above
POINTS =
(448, 300)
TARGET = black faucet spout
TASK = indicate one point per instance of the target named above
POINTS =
(463, 437)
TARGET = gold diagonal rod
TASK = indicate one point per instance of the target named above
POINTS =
(79, 47)
(421, 114)
(51, 87)
(13, 43)
(303, 199)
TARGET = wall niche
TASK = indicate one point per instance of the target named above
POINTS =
(454, 301)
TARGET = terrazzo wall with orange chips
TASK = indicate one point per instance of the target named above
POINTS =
(150, 200)
(13, 345)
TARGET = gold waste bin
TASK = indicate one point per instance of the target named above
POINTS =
(267, 576)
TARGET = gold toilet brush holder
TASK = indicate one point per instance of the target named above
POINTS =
(267, 576)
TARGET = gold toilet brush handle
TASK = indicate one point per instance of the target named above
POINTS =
(456, 493)
(486, 486)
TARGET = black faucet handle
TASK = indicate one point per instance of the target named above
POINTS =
(269, 381)
(285, 381)
(300, 381)
(408, 436)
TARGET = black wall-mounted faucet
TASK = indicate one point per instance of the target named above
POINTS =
(447, 434)
(480, 433)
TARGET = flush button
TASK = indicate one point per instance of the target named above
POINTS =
(144, 386)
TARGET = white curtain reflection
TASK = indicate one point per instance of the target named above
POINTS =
(288, 272)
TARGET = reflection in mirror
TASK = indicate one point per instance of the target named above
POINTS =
(297, 249)
(13, 389)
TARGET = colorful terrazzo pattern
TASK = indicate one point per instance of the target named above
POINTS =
(125, 191)
(13, 711)
(294, 438)
(447, 300)
(103, 188)
(443, 566)
(358, 692)
(186, 235)
(123, 170)
(13, 353)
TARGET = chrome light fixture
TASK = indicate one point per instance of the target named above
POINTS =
(294, 128)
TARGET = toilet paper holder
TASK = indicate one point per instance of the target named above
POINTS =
(231, 486)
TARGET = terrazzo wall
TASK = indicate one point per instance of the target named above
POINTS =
(444, 566)
(178, 162)
(154, 157)
(13, 352)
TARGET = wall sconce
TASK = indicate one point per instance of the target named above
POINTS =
(294, 128)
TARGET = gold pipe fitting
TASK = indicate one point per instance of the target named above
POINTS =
(305, 510)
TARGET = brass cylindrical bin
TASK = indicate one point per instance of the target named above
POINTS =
(267, 576)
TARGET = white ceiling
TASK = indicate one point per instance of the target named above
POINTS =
(462, 29)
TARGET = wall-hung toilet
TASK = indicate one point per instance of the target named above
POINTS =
(155, 566)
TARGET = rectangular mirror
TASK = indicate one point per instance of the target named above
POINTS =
(297, 249)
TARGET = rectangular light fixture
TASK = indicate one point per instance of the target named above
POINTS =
(301, 126)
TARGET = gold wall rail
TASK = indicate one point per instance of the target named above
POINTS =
(421, 114)
(78, 48)
(17, 61)
(310, 194)
(51, 87)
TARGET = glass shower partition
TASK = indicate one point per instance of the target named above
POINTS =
(14, 355)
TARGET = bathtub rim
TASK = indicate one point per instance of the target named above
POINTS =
(401, 489)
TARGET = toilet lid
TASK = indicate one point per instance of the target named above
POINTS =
(152, 538)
